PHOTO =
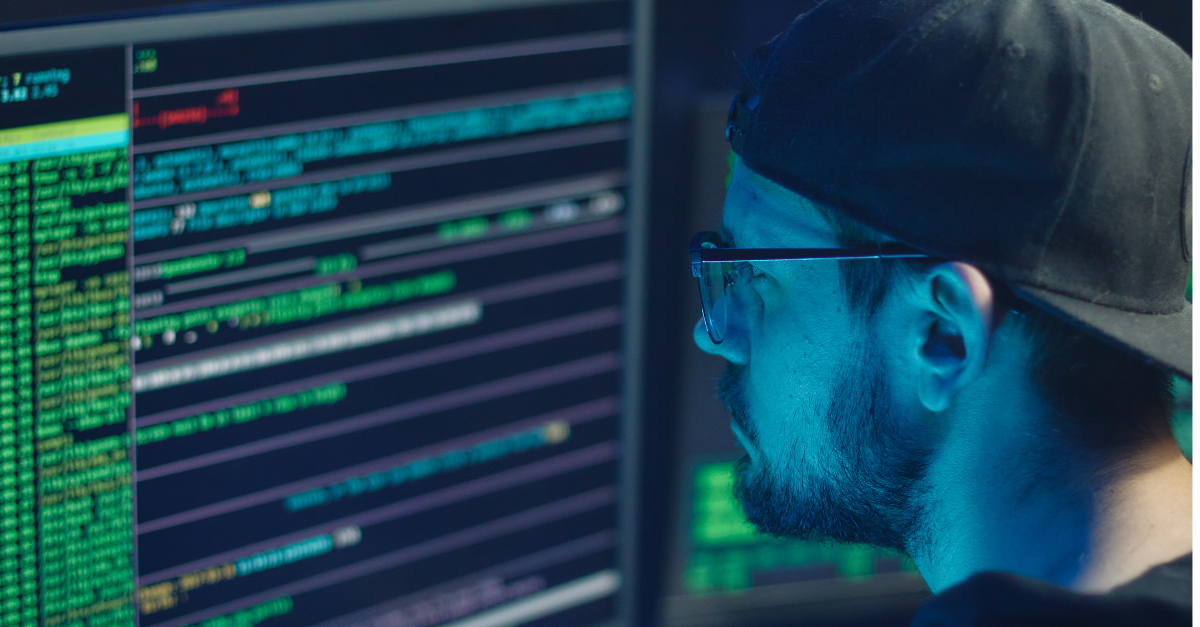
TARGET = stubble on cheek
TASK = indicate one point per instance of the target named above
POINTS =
(836, 466)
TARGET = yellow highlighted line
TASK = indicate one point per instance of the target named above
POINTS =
(61, 130)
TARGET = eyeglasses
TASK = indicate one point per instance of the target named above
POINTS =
(720, 275)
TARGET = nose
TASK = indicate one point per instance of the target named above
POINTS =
(734, 348)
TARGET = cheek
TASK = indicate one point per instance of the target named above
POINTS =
(799, 327)
(799, 342)
(783, 385)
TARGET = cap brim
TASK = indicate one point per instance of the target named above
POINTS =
(1164, 340)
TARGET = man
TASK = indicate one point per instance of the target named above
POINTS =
(959, 343)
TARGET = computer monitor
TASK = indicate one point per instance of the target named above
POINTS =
(317, 313)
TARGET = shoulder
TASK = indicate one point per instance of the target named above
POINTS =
(1161, 596)
(1170, 583)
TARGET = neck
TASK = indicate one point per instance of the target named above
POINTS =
(1142, 518)
(1021, 502)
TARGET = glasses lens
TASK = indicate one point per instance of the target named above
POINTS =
(715, 292)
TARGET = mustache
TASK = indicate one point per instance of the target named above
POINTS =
(731, 394)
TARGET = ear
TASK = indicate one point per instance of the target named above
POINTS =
(959, 305)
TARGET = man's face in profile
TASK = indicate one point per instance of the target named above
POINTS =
(808, 386)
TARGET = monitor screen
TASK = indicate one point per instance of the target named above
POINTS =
(313, 314)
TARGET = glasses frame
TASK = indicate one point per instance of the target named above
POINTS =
(709, 247)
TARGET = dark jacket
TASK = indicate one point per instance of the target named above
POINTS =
(1161, 597)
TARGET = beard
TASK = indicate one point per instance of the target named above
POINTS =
(865, 490)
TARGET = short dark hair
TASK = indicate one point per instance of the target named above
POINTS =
(1101, 395)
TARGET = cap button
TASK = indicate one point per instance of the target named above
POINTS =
(1155, 83)
(1014, 51)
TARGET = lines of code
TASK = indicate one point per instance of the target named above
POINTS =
(191, 265)
(65, 389)
(19, 86)
(395, 311)
(224, 105)
(324, 336)
(277, 406)
(283, 156)
(549, 434)
(251, 616)
(166, 595)
(305, 304)
(81, 322)
(398, 327)
(246, 209)
(66, 511)
(19, 507)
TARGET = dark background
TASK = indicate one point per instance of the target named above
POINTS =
(696, 51)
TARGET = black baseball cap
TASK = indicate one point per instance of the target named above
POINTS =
(1047, 142)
